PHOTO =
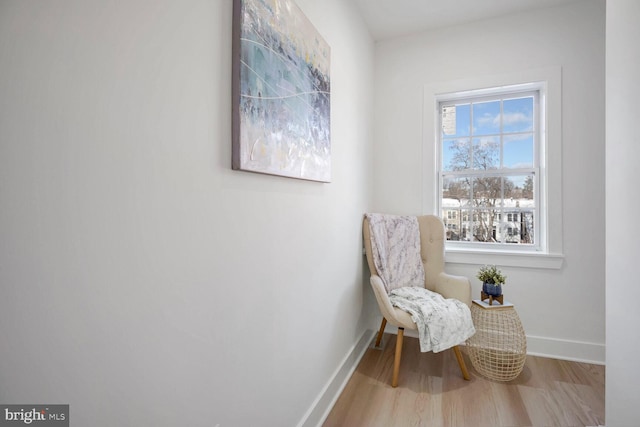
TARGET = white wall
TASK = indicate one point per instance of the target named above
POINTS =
(143, 281)
(623, 251)
(563, 311)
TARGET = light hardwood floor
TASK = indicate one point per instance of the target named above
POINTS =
(432, 392)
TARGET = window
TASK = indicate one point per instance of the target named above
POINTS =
(489, 168)
(546, 212)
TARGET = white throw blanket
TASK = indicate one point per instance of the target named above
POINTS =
(442, 323)
(395, 246)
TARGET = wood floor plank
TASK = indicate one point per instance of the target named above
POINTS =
(585, 401)
(543, 407)
(510, 407)
(431, 392)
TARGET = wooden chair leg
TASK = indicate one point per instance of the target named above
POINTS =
(396, 362)
(381, 331)
(463, 367)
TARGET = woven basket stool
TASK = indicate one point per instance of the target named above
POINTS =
(499, 347)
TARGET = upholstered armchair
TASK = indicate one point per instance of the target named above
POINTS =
(432, 236)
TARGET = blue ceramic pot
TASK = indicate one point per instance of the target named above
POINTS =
(491, 289)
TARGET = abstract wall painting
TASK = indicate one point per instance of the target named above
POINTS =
(281, 92)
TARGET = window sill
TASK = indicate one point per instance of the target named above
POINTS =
(504, 258)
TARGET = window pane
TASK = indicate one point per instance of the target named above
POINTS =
(517, 227)
(518, 151)
(486, 153)
(485, 224)
(456, 120)
(452, 218)
(465, 226)
(486, 118)
(487, 192)
(526, 229)
(455, 193)
(519, 191)
(518, 115)
(456, 154)
(455, 196)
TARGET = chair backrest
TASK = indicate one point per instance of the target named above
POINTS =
(431, 247)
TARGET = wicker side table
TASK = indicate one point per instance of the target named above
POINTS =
(499, 347)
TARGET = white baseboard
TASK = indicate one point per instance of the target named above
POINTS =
(576, 351)
(323, 404)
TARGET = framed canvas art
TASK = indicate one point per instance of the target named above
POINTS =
(281, 92)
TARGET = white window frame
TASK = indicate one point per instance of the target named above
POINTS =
(533, 90)
(549, 254)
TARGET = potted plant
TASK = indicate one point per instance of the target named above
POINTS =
(492, 280)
